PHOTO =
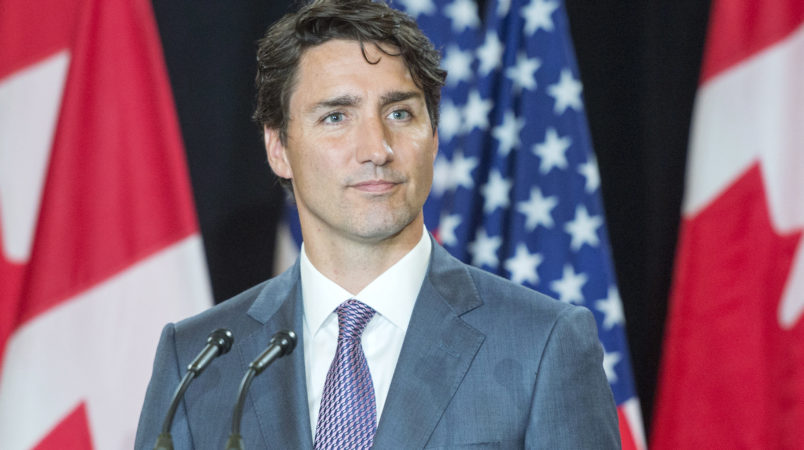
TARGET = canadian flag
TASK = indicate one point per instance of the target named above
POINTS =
(99, 245)
(733, 368)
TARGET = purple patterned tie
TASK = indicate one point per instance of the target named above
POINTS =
(347, 418)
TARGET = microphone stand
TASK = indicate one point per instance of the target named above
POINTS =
(165, 441)
(282, 343)
(235, 441)
(218, 343)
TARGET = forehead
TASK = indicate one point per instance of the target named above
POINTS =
(339, 67)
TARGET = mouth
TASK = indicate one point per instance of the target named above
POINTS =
(375, 186)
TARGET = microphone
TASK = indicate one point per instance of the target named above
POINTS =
(218, 343)
(282, 343)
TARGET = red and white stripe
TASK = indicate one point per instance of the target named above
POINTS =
(632, 434)
(99, 245)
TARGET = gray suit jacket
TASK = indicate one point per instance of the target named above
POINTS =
(485, 363)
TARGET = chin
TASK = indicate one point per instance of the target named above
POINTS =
(374, 230)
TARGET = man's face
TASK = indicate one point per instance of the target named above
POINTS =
(360, 146)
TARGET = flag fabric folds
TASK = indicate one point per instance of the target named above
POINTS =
(99, 244)
(516, 188)
(732, 374)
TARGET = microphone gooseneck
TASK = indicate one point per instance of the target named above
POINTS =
(218, 343)
(282, 344)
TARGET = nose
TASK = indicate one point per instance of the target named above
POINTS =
(373, 144)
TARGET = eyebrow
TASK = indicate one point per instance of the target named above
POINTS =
(336, 102)
(353, 100)
(399, 96)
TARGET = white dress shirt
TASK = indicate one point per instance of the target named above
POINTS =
(392, 295)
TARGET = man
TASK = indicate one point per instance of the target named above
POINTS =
(400, 345)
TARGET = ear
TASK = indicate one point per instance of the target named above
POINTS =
(277, 154)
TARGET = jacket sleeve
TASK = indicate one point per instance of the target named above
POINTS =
(165, 379)
(572, 406)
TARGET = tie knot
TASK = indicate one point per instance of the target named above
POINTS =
(353, 316)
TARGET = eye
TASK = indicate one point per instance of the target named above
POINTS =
(400, 114)
(333, 117)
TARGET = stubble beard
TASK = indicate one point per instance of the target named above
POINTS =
(380, 222)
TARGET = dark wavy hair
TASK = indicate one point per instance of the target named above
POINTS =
(364, 21)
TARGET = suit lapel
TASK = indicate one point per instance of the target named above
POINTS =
(277, 399)
(438, 350)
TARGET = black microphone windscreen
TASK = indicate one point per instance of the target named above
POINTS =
(286, 340)
(221, 338)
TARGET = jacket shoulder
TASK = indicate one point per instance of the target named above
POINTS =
(244, 311)
(504, 296)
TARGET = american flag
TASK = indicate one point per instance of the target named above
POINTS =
(516, 189)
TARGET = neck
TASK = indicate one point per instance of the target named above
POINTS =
(353, 264)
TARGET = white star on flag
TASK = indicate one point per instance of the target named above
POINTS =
(442, 175)
(496, 191)
(590, 172)
(537, 15)
(583, 228)
(567, 93)
(568, 287)
(484, 249)
(450, 120)
(609, 361)
(463, 14)
(490, 53)
(537, 209)
(461, 173)
(446, 228)
(503, 6)
(476, 112)
(612, 309)
(523, 265)
(523, 74)
(415, 8)
(552, 151)
(458, 64)
(508, 132)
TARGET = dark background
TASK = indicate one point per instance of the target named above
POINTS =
(639, 62)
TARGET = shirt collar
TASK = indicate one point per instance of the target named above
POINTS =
(392, 294)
